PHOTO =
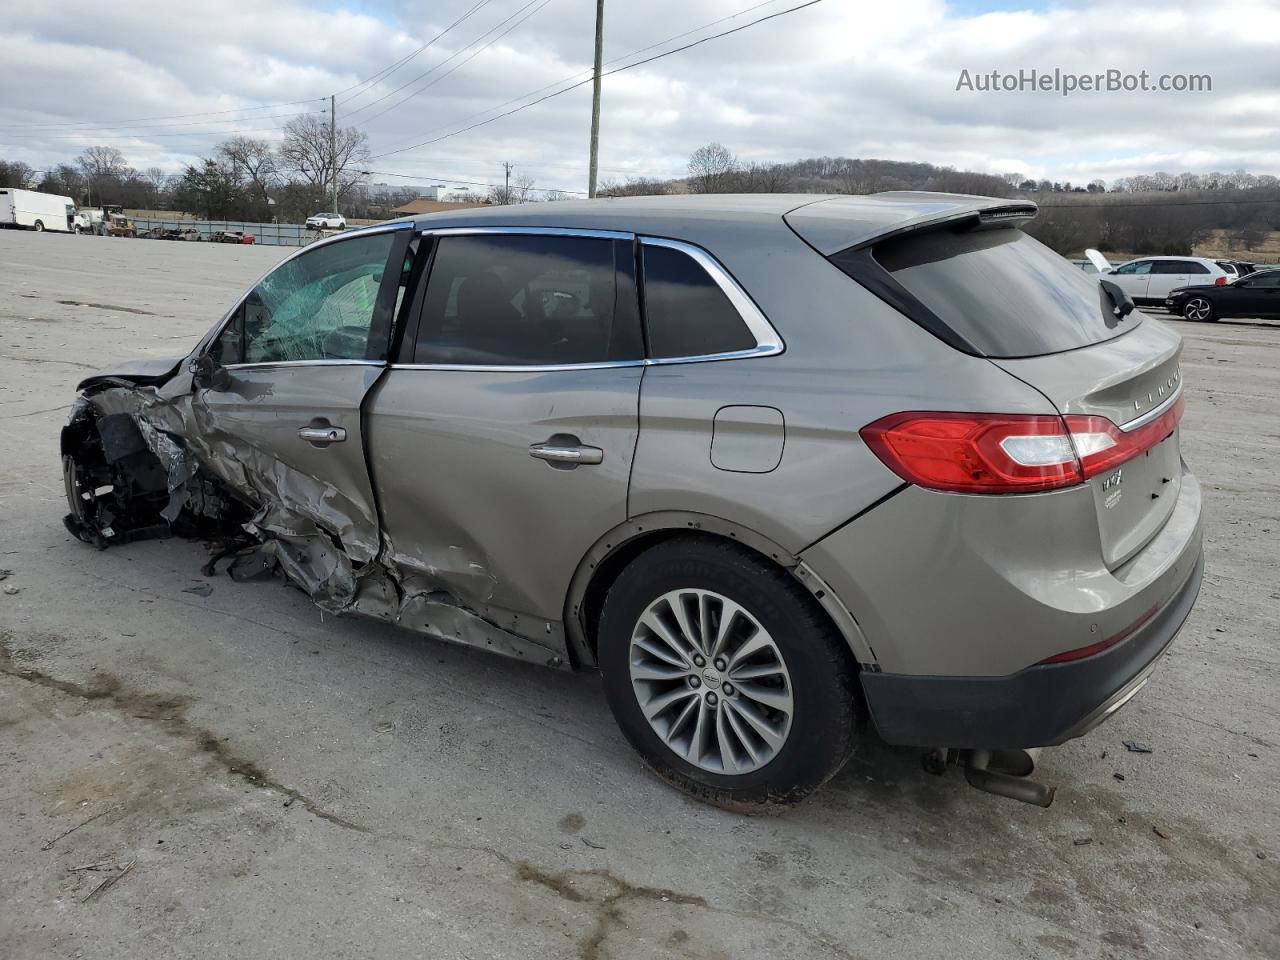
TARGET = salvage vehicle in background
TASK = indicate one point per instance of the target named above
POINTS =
(771, 464)
(1255, 295)
(1148, 280)
(326, 221)
(32, 210)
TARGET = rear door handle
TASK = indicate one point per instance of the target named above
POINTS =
(323, 435)
(565, 454)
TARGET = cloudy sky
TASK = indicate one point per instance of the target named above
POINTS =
(166, 81)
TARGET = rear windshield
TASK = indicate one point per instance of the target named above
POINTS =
(1004, 292)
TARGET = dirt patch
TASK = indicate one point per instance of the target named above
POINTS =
(114, 308)
(572, 822)
(605, 892)
(108, 692)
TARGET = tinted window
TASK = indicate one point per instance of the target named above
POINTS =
(317, 306)
(1172, 267)
(1142, 266)
(1267, 280)
(687, 313)
(1193, 267)
(1005, 293)
(523, 300)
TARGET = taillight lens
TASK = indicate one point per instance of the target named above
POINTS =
(1219, 281)
(1008, 453)
(976, 452)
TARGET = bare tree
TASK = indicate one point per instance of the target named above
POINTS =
(762, 178)
(306, 153)
(519, 191)
(255, 160)
(711, 168)
(102, 167)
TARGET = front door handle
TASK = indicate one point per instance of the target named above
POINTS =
(322, 435)
(565, 454)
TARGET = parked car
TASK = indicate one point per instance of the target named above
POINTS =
(771, 464)
(1148, 280)
(1254, 295)
(326, 221)
(32, 210)
(1236, 268)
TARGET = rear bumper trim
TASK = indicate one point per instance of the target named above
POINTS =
(1039, 706)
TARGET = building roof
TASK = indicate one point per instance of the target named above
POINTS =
(423, 205)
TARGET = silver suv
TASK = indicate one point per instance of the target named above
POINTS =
(774, 465)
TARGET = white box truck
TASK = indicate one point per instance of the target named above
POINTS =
(29, 210)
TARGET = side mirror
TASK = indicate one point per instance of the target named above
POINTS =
(1113, 270)
(208, 373)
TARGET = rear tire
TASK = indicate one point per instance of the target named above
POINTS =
(752, 692)
(1200, 310)
(38, 226)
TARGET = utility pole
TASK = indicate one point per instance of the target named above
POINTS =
(333, 149)
(506, 191)
(595, 100)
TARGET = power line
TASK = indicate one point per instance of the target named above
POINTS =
(387, 71)
(457, 53)
(473, 183)
(607, 73)
(174, 116)
(90, 130)
(79, 136)
(626, 56)
(476, 53)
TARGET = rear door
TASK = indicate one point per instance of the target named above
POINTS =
(1168, 274)
(502, 439)
(301, 351)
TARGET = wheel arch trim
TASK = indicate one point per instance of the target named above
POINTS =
(666, 524)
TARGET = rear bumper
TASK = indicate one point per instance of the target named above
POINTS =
(1035, 707)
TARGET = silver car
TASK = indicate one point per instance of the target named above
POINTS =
(777, 466)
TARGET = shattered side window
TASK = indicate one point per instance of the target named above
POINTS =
(317, 306)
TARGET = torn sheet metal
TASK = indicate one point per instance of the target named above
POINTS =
(166, 467)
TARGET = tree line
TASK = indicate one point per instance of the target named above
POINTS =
(1157, 213)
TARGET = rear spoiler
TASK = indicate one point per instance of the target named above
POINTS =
(852, 222)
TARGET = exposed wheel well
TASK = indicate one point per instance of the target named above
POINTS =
(607, 570)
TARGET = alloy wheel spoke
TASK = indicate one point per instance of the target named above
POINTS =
(659, 630)
(771, 697)
(661, 670)
(755, 671)
(731, 715)
(660, 702)
(728, 614)
(728, 759)
(682, 619)
(660, 652)
(697, 742)
(759, 724)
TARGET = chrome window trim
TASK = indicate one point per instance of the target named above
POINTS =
(528, 232)
(1156, 411)
(768, 341)
(304, 363)
(520, 368)
(345, 235)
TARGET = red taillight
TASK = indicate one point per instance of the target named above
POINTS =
(1219, 281)
(1007, 453)
(1103, 446)
(975, 452)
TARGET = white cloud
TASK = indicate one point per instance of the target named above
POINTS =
(858, 79)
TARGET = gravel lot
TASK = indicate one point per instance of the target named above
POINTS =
(284, 784)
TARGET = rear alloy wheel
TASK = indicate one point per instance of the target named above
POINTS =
(725, 674)
(1199, 309)
(39, 226)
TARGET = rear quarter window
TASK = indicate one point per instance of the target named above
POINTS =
(686, 312)
(1000, 291)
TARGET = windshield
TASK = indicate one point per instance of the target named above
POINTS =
(1004, 292)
